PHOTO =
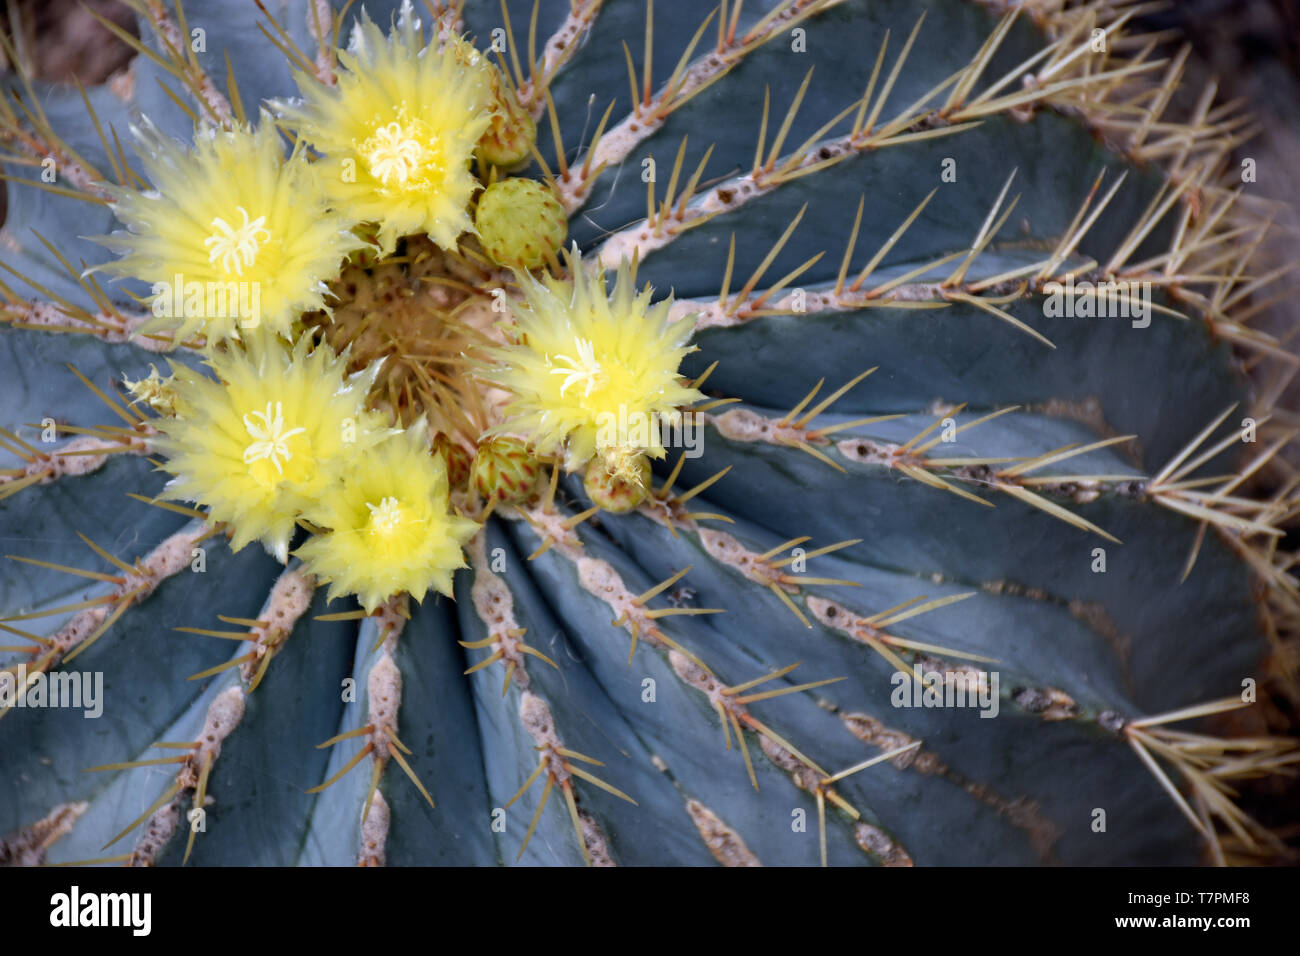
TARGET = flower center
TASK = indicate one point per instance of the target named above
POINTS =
(236, 247)
(394, 153)
(270, 442)
(394, 530)
(625, 463)
(385, 518)
(583, 370)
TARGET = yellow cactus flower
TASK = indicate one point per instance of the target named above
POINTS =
(390, 530)
(258, 446)
(398, 132)
(233, 236)
(155, 391)
(596, 375)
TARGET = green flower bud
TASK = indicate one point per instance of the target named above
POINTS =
(519, 221)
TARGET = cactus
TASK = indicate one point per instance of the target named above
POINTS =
(922, 553)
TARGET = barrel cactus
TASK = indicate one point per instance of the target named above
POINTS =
(867, 472)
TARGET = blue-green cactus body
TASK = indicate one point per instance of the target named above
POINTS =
(1077, 651)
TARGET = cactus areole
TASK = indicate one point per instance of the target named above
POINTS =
(626, 433)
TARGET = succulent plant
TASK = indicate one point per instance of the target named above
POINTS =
(909, 528)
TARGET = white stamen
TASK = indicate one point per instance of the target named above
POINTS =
(584, 370)
(385, 516)
(270, 440)
(236, 247)
(393, 153)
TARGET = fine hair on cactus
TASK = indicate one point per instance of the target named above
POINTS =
(640, 432)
